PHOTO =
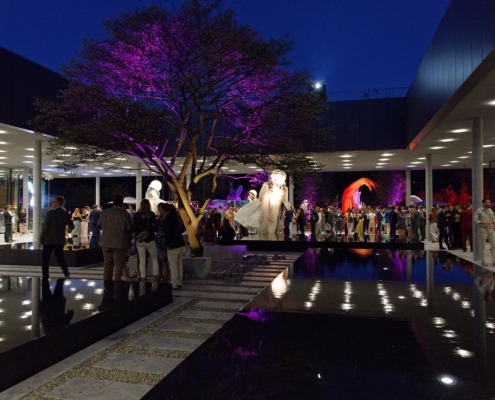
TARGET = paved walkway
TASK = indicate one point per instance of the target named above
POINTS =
(130, 362)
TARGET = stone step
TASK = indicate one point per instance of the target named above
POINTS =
(168, 343)
(195, 327)
(84, 388)
(220, 305)
(199, 314)
(212, 295)
(139, 363)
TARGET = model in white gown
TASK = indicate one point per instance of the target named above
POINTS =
(153, 195)
(263, 214)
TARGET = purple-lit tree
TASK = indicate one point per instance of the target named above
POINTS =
(188, 86)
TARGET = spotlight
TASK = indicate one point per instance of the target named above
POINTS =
(317, 85)
(319, 88)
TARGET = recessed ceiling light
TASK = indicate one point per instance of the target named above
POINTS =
(492, 103)
(56, 160)
(309, 157)
(2, 151)
(30, 149)
(346, 167)
(107, 173)
(3, 131)
(378, 166)
(98, 167)
(85, 174)
(29, 156)
(91, 171)
(460, 130)
(454, 161)
(381, 163)
(127, 167)
(437, 147)
(3, 142)
(2, 163)
(415, 162)
(464, 157)
(488, 145)
(108, 163)
(347, 164)
(411, 166)
(70, 148)
(120, 158)
(421, 158)
(383, 159)
(3, 158)
(52, 165)
(446, 140)
(117, 170)
(48, 169)
(387, 154)
(252, 166)
(27, 162)
(345, 156)
(446, 165)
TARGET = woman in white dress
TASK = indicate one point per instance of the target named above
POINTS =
(371, 221)
(293, 224)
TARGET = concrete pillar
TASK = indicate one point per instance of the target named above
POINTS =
(477, 179)
(291, 191)
(25, 192)
(139, 185)
(428, 191)
(408, 186)
(37, 195)
(97, 191)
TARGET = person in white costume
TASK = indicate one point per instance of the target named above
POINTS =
(153, 195)
(263, 214)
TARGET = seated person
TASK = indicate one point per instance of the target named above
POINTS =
(208, 233)
(226, 233)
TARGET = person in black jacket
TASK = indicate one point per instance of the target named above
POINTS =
(7, 221)
(394, 220)
(175, 244)
(442, 228)
(226, 233)
(145, 221)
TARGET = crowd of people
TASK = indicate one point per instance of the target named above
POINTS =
(15, 223)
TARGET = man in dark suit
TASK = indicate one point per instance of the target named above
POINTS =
(7, 222)
(94, 217)
(287, 221)
(415, 222)
(53, 236)
(442, 228)
(116, 239)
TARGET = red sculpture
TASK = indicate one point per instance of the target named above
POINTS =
(351, 197)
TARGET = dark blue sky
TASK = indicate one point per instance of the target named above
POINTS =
(353, 44)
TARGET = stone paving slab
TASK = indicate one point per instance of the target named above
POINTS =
(212, 295)
(195, 327)
(170, 343)
(198, 314)
(83, 389)
(263, 274)
(222, 288)
(139, 363)
(219, 304)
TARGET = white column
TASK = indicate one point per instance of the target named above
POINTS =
(408, 186)
(291, 191)
(25, 192)
(139, 185)
(477, 179)
(97, 191)
(428, 191)
(37, 193)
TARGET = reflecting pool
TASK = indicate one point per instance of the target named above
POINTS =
(353, 323)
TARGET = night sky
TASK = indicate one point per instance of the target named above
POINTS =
(354, 44)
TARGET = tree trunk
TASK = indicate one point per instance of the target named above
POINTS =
(194, 243)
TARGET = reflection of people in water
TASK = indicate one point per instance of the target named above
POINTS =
(52, 307)
(483, 280)
(114, 293)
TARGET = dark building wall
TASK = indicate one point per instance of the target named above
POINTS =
(21, 81)
(463, 39)
(373, 124)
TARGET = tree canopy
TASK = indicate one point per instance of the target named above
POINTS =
(188, 84)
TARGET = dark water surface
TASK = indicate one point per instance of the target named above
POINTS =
(349, 324)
